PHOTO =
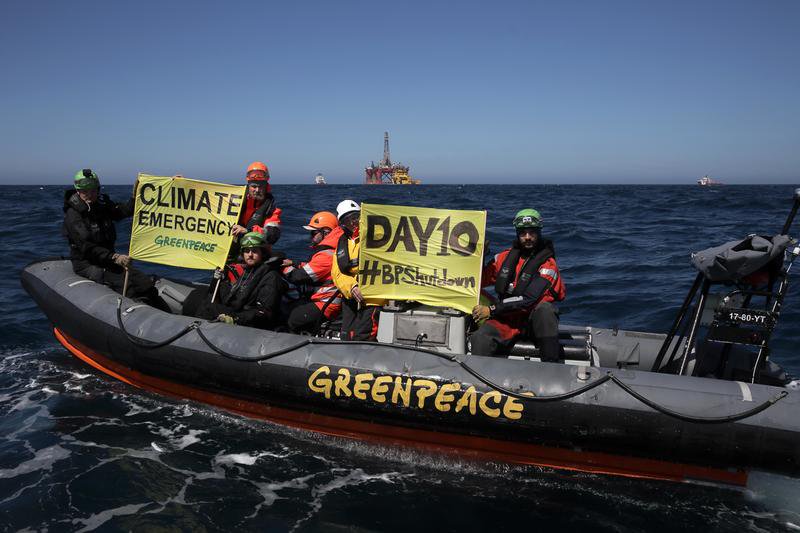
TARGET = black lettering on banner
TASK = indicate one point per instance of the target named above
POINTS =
(383, 222)
(370, 271)
(179, 222)
(143, 189)
(186, 199)
(233, 203)
(161, 202)
(424, 235)
(220, 198)
(445, 229)
(403, 234)
(387, 278)
(467, 228)
(205, 202)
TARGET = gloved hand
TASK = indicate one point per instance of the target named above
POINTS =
(228, 319)
(122, 260)
(238, 230)
(481, 312)
(217, 273)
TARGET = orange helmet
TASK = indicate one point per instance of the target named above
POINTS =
(257, 171)
(322, 220)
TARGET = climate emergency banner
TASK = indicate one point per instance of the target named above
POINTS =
(183, 222)
(432, 256)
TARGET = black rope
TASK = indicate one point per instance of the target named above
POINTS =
(150, 345)
(698, 419)
(527, 396)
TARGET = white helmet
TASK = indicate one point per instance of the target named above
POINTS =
(346, 206)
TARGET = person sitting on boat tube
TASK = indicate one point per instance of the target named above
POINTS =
(359, 315)
(249, 292)
(527, 282)
(314, 276)
(89, 228)
(259, 212)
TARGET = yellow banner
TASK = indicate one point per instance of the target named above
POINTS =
(432, 256)
(183, 222)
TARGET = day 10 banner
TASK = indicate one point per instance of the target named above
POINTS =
(432, 256)
(183, 222)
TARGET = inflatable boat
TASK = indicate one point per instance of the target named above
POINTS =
(702, 402)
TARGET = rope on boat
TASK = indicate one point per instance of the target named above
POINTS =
(526, 396)
(150, 345)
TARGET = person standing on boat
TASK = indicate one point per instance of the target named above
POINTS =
(527, 282)
(250, 291)
(314, 276)
(359, 315)
(89, 228)
(259, 212)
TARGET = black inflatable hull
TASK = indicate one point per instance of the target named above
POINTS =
(399, 395)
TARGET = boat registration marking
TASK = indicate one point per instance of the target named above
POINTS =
(746, 394)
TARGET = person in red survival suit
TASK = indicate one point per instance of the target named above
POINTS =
(527, 282)
(315, 276)
(259, 212)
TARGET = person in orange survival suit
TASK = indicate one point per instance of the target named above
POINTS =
(527, 282)
(259, 212)
(359, 314)
(315, 276)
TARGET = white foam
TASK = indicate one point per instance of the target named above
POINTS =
(44, 459)
(96, 520)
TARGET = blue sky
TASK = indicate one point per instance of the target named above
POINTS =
(533, 92)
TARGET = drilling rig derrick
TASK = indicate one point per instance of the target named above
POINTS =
(386, 172)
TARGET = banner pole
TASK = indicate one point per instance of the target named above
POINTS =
(125, 283)
(216, 288)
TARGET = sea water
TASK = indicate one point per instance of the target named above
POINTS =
(80, 451)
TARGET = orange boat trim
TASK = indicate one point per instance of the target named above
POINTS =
(462, 445)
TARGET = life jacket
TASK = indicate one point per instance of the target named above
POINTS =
(98, 219)
(529, 271)
(256, 214)
(319, 270)
(343, 259)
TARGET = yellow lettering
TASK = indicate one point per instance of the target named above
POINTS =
(512, 409)
(361, 386)
(494, 413)
(467, 400)
(342, 383)
(442, 397)
(427, 389)
(322, 384)
(380, 388)
(402, 389)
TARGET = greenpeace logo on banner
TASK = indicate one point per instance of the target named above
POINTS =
(183, 222)
(433, 256)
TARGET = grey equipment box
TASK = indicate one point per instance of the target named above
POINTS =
(434, 328)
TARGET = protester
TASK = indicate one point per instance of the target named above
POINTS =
(314, 276)
(359, 315)
(89, 228)
(527, 282)
(249, 292)
(259, 212)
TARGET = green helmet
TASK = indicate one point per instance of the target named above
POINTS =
(527, 218)
(253, 239)
(86, 179)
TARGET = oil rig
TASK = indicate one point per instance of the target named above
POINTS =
(386, 173)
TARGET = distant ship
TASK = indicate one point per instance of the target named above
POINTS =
(320, 179)
(708, 181)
